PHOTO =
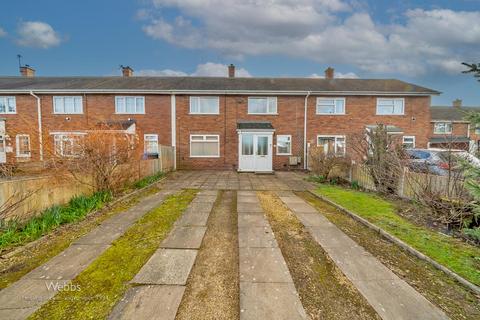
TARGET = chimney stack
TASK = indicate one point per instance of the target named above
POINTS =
(231, 71)
(127, 71)
(27, 71)
(329, 73)
(457, 103)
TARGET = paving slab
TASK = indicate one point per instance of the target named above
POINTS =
(191, 219)
(167, 266)
(329, 236)
(149, 302)
(291, 199)
(30, 293)
(277, 301)
(263, 265)
(103, 234)
(247, 199)
(252, 220)
(17, 313)
(68, 264)
(184, 238)
(246, 193)
(205, 198)
(248, 207)
(301, 207)
(207, 193)
(313, 220)
(256, 237)
(199, 207)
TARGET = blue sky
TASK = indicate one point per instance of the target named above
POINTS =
(417, 41)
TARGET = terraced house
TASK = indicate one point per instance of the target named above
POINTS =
(246, 124)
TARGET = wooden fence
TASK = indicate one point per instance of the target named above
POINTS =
(409, 182)
(34, 194)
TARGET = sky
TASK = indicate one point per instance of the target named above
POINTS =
(419, 41)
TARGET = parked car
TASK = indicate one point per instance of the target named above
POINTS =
(438, 161)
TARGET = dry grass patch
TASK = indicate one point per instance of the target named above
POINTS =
(213, 289)
(324, 291)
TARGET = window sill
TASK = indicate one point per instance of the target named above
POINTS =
(283, 154)
(203, 114)
(330, 114)
(129, 113)
(390, 114)
(262, 114)
(204, 157)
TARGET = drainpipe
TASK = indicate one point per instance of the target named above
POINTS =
(305, 166)
(40, 135)
(173, 114)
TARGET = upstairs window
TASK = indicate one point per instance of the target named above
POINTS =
(390, 106)
(68, 105)
(129, 105)
(151, 143)
(23, 145)
(204, 105)
(332, 144)
(442, 128)
(8, 105)
(266, 105)
(330, 106)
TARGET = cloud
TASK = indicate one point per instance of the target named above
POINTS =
(37, 34)
(3, 33)
(208, 69)
(325, 31)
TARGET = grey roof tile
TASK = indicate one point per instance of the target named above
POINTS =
(451, 113)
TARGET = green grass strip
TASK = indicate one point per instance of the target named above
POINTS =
(13, 233)
(105, 281)
(148, 180)
(458, 256)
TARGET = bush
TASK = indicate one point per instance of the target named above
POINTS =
(327, 165)
(148, 180)
(472, 234)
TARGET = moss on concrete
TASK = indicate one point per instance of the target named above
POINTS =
(105, 281)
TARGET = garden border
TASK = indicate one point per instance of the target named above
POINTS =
(400, 243)
(29, 245)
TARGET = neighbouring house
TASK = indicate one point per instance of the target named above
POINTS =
(246, 124)
(450, 130)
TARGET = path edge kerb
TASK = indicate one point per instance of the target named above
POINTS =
(400, 243)
(109, 205)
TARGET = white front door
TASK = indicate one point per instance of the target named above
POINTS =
(255, 152)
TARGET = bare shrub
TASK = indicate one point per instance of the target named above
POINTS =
(103, 158)
(383, 155)
(327, 165)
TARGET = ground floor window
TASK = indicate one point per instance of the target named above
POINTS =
(408, 142)
(284, 145)
(23, 145)
(67, 144)
(204, 146)
(151, 143)
(332, 144)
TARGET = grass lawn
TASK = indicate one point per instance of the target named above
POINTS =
(453, 253)
(105, 281)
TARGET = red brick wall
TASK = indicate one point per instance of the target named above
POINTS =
(458, 130)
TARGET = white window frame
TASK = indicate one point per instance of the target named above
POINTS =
(146, 137)
(320, 99)
(289, 140)
(199, 98)
(17, 145)
(409, 137)
(393, 113)
(206, 141)
(5, 101)
(61, 135)
(335, 137)
(268, 104)
(443, 123)
(55, 98)
(125, 104)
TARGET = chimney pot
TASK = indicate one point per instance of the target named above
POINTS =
(457, 103)
(329, 73)
(127, 71)
(231, 71)
(27, 71)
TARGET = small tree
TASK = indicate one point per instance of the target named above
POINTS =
(472, 68)
(382, 154)
(327, 165)
(104, 158)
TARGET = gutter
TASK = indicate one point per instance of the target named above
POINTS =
(40, 134)
(305, 166)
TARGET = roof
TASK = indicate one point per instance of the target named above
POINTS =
(232, 85)
(448, 139)
(451, 113)
(254, 125)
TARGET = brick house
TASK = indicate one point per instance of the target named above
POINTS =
(246, 124)
(450, 129)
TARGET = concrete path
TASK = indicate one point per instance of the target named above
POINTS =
(266, 286)
(389, 295)
(160, 284)
(24, 297)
